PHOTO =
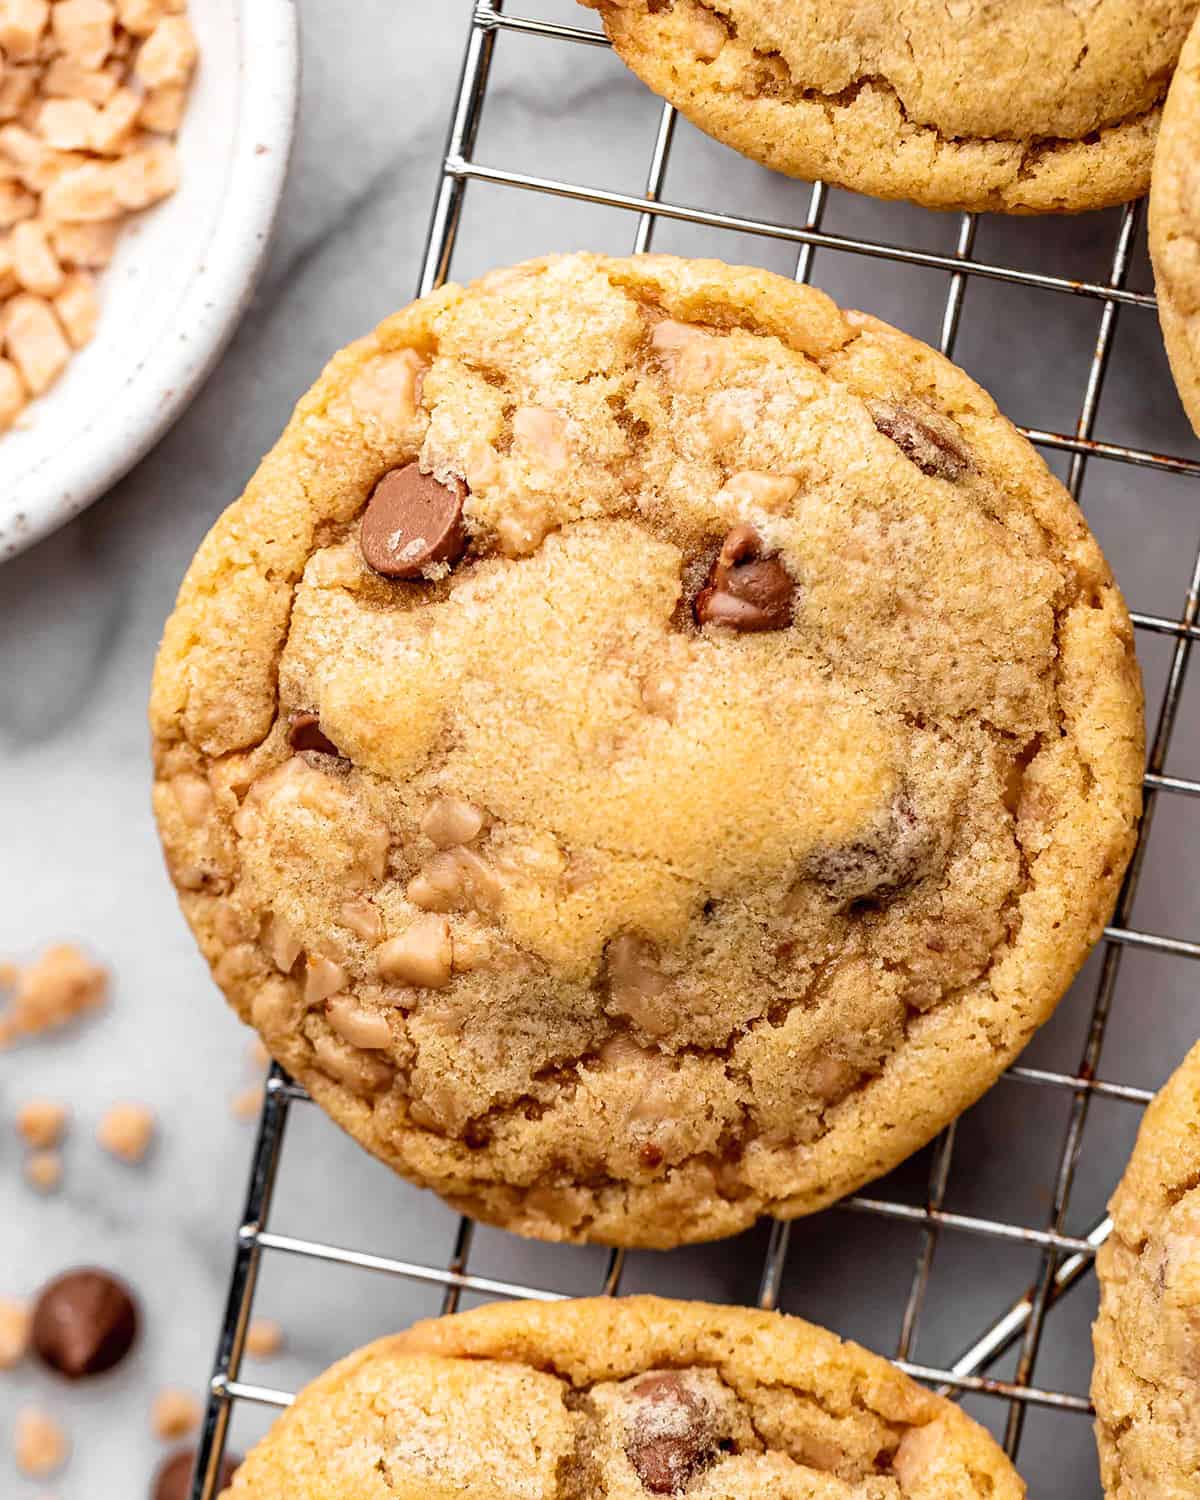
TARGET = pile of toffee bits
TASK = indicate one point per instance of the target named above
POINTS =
(91, 94)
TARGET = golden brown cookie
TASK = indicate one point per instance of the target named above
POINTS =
(1146, 1386)
(648, 748)
(1175, 226)
(617, 1400)
(1021, 106)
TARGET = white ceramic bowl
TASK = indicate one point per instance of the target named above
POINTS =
(181, 278)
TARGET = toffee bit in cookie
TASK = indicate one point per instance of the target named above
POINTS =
(745, 590)
(173, 1480)
(934, 451)
(84, 1323)
(305, 734)
(413, 521)
(668, 1433)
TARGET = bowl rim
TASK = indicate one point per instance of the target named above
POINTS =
(61, 484)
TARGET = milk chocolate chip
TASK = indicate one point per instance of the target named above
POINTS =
(174, 1478)
(668, 1435)
(934, 451)
(411, 521)
(745, 590)
(84, 1322)
(893, 855)
(305, 734)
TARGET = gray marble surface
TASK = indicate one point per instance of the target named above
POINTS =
(80, 617)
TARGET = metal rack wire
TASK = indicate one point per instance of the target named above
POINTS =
(1064, 1259)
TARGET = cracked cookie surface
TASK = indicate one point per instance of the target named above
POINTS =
(1020, 106)
(1146, 1385)
(727, 774)
(1175, 226)
(618, 1399)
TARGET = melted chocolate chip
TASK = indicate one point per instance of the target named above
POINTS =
(412, 520)
(934, 451)
(84, 1323)
(888, 859)
(668, 1434)
(174, 1478)
(305, 734)
(745, 590)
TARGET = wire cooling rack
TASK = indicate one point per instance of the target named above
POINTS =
(1016, 1331)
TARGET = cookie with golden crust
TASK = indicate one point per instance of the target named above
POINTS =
(618, 1400)
(648, 748)
(1146, 1385)
(1175, 226)
(1019, 106)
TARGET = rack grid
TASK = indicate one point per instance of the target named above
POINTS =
(1064, 1259)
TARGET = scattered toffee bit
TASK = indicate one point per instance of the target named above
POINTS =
(44, 1170)
(175, 1414)
(412, 520)
(84, 1323)
(174, 1478)
(745, 590)
(264, 1339)
(42, 1123)
(50, 992)
(305, 734)
(668, 1435)
(933, 451)
(14, 1332)
(127, 1132)
(40, 1445)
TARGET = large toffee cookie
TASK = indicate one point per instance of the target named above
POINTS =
(619, 1400)
(1175, 226)
(647, 748)
(1146, 1385)
(1022, 106)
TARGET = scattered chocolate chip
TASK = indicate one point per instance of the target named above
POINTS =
(668, 1435)
(932, 448)
(305, 734)
(84, 1323)
(745, 590)
(891, 857)
(411, 521)
(173, 1481)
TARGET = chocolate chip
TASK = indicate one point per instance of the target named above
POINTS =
(84, 1322)
(173, 1481)
(305, 734)
(411, 521)
(745, 590)
(891, 857)
(668, 1435)
(932, 448)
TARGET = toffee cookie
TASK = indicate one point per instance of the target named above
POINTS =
(1175, 226)
(1021, 106)
(648, 748)
(617, 1400)
(1146, 1386)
